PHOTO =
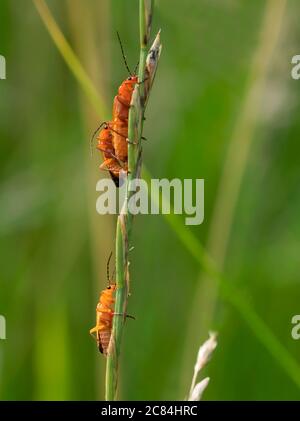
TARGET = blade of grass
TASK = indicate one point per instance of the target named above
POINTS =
(260, 330)
(236, 160)
(70, 57)
(229, 293)
(206, 294)
(90, 44)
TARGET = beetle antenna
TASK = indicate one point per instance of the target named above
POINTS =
(107, 268)
(123, 54)
(93, 137)
(136, 66)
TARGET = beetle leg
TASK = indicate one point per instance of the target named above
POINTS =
(126, 315)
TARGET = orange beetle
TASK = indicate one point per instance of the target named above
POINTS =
(104, 318)
(104, 139)
(111, 163)
(113, 138)
(104, 315)
(120, 117)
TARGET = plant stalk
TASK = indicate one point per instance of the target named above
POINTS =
(147, 69)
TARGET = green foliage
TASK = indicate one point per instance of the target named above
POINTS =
(49, 285)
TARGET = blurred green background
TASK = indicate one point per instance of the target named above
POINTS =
(223, 84)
